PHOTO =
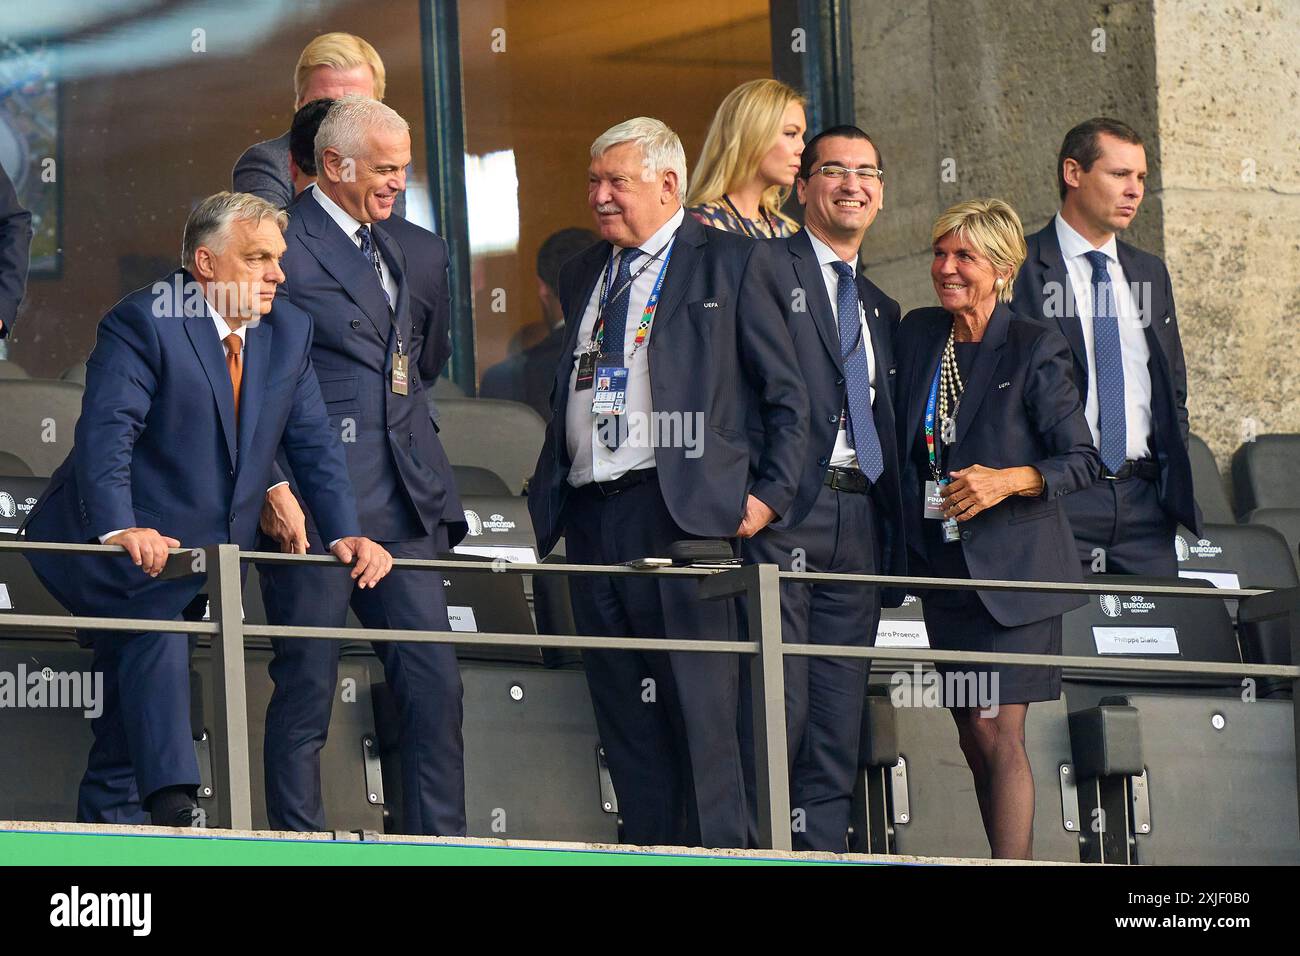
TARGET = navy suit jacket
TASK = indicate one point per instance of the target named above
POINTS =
(719, 347)
(815, 333)
(15, 246)
(403, 482)
(1043, 292)
(1019, 407)
(157, 446)
(263, 170)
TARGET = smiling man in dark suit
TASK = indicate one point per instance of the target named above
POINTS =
(678, 413)
(1115, 305)
(355, 281)
(190, 390)
(845, 516)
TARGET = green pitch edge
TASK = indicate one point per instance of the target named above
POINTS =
(25, 848)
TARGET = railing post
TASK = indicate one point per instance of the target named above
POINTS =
(225, 589)
(763, 603)
(1293, 620)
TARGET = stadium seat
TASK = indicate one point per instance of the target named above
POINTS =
(443, 387)
(40, 418)
(1263, 473)
(499, 527)
(503, 437)
(916, 795)
(43, 749)
(1207, 483)
(11, 464)
(350, 770)
(478, 481)
(1245, 556)
(531, 763)
(1285, 521)
(1128, 623)
(1147, 763)
(75, 374)
(18, 492)
(492, 603)
(11, 369)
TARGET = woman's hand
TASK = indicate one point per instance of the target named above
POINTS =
(977, 488)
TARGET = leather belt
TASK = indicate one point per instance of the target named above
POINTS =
(1145, 468)
(608, 489)
(847, 479)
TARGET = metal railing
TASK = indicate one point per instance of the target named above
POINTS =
(758, 584)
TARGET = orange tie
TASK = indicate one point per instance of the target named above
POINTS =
(235, 364)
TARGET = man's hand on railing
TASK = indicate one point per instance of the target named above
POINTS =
(148, 548)
(372, 561)
(283, 520)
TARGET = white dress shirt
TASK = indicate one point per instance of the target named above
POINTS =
(844, 454)
(592, 461)
(350, 227)
(1132, 338)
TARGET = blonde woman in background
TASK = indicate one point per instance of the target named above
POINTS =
(750, 161)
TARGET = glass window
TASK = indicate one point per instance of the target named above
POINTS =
(118, 116)
(540, 82)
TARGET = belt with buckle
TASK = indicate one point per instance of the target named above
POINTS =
(631, 479)
(847, 479)
(1145, 468)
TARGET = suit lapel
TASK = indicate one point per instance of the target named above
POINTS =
(212, 356)
(594, 260)
(395, 259)
(256, 357)
(342, 259)
(986, 362)
(1148, 313)
(686, 255)
(809, 273)
(1055, 276)
(929, 347)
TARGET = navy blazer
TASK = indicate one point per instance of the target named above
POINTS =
(15, 247)
(157, 446)
(815, 333)
(1019, 407)
(1043, 292)
(719, 346)
(403, 482)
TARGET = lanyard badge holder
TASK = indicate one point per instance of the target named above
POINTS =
(933, 498)
(610, 381)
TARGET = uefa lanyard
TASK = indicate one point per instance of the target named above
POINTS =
(930, 406)
(652, 303)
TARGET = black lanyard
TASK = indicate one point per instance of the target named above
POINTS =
(744, 223)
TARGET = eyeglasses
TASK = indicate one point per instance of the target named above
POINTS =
(836, 173)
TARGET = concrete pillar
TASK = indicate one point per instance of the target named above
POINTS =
(971, 98)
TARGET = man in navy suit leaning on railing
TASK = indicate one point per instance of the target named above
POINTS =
(193, 385)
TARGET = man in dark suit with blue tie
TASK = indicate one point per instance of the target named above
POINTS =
(845, 517)
(1115, 305)
(354, 281)
(193, 385)
(678, 413)
(15, 245)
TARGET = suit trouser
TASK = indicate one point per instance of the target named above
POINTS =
(424, 678)
(823, 695)
(667, 721)
(1123, 517)
(143, 740)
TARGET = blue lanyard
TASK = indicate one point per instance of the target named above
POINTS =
(648, 313)
(930, 405)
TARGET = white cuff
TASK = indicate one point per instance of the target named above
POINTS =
(104, 537)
